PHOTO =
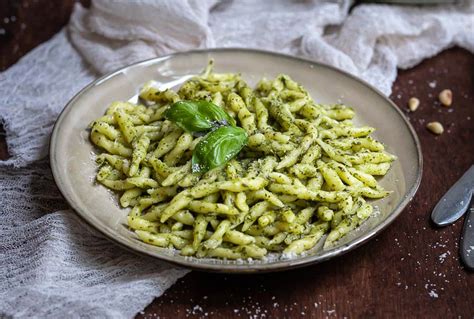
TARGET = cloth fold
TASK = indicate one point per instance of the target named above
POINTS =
(53, 265)
(371, 42)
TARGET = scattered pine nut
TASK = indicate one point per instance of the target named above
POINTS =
(446, 97)
(435, 128)
(413, 104)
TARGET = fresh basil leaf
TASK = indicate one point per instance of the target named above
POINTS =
(215, 113)
(218, 147)
(198, 116)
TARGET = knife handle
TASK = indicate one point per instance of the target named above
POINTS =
(467, 240)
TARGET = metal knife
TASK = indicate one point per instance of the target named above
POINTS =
(456, 201)
(467, 239)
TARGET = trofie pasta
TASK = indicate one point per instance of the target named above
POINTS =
(219, 169)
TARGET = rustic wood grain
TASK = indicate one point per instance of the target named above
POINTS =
(410, 270)
(3, 144)
(24, 24)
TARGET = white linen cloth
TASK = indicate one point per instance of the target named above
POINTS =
(51, 264)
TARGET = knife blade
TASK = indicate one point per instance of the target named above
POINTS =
(456, 201)
(467, 239)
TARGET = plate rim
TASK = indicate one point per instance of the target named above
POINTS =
(241, 268)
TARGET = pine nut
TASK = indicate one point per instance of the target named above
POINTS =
(435, 127)
(446, 97)
(413, 104)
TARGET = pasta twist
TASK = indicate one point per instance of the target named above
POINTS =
(304, 174)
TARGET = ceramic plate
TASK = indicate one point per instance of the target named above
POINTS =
(74, 168)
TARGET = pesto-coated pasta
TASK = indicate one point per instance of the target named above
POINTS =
(302, 177)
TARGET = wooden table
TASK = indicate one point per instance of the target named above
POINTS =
(410, 270)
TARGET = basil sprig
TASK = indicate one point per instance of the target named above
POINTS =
(218, 147)
(223, 141)
(198, 116)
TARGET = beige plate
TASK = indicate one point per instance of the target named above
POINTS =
(72, 155)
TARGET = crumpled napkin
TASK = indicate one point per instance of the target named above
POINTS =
(370, 42)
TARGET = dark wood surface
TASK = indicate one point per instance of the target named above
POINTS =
(26, 23)
(410, 270)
